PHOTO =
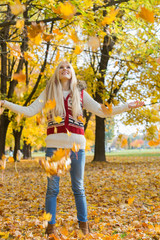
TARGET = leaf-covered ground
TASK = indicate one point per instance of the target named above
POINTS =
(123, 198)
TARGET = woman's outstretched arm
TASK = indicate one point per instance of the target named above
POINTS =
(92, 106)
(29, 111)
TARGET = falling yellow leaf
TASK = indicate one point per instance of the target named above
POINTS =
(130, 200)
(110, 17)
(107, 110)
(146, 15)
(58, 119)
(20, 77)
(55, 130)
(66, 10)
(94, 43)
(17, 8)
(20, 23)
(50, 104)
(78, 49)
(124, 143)
(35, 29)
(75, 147)
(68, 133)
(81, 119)
(73, 35)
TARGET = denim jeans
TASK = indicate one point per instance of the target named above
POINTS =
(77, 177)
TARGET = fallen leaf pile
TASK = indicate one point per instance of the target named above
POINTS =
(122, 196)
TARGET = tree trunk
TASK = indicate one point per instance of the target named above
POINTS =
(17, 138)
(99, 154)
(26, 150)
(4, 122)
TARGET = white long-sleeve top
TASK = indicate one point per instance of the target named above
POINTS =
(62, 140)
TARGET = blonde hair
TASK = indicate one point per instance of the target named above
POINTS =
(54, 91)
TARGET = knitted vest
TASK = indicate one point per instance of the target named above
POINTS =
(68, 122)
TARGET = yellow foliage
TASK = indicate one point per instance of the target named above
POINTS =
(111, 17)
(146, 15)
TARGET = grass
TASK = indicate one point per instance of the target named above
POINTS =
(123, 153)
(136, 152)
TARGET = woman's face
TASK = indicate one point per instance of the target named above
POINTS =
(65, 71)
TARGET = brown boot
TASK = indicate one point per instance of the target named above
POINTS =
(84, 226)
(51, 232)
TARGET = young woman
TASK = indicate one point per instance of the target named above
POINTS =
(70, 100)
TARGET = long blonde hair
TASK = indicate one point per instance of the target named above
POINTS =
(54, 91)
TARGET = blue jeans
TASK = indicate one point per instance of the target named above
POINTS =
(77, 177)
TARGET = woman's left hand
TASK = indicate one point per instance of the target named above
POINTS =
(136, 104)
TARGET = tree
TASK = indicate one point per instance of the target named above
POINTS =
(117, 56)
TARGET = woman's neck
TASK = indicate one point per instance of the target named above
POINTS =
(65, 86)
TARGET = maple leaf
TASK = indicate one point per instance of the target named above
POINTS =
(146, 15)
(58, 119)
(111, 17)
(107, 110)
(75, 147)
(35, 29)
(20, 23)
(58, 155)
(50, 104)
(47, 37)
(73, 35)
(20, 77)
(17, 8)
(124, 143)
(78, 49)
(81, 119)
(65, 10)
(68, 133)
(94, 43)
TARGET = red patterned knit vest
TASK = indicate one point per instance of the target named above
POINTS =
(68, 122)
